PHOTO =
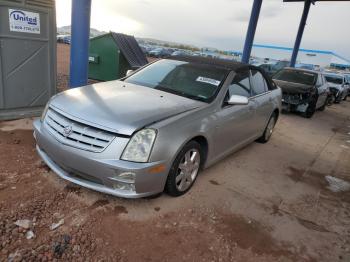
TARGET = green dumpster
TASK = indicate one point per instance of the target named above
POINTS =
(111, 55)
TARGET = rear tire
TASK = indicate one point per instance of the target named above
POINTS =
(268, 130)
(185, 169)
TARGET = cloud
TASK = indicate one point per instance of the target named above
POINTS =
(221, 23)
(270, 12)
(242, 17)
(144, 2)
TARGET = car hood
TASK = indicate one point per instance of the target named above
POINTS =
(120, 107)
(294, 88)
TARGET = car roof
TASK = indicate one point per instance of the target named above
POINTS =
(225, 64)
(303, 69)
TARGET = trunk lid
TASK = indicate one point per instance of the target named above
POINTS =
(293, 88)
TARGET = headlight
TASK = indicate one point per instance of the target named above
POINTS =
(140, 146)
(44, 112)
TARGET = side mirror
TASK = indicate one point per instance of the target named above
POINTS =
(129, 72)
(238, 100)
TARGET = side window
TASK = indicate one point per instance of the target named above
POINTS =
(240, 85)
(258, 82)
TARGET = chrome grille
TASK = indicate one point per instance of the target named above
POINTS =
(76, 134)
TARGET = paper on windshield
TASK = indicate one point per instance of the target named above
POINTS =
(208, 80)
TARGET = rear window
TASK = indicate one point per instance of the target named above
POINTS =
(295, 76)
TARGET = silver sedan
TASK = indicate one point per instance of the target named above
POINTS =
(158, 127)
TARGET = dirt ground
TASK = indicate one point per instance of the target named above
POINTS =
(279, 201)
(268, 202)
(63, 56)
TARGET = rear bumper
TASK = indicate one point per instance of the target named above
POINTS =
(294, 106)
(295, 102)
(101, 172)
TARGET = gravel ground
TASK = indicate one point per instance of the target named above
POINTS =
(271, 202)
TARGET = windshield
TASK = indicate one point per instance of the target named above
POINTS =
(334, 79)
(191, 80)
(295, 76)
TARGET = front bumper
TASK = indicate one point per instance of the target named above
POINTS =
(99, 171)
(337, 93)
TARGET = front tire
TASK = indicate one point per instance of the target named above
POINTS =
(338, 99)
(184, 170)
(330, 100)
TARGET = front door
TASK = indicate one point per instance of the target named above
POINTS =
(236, 124)
(261, 96)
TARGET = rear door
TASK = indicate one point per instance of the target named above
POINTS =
(261, 96)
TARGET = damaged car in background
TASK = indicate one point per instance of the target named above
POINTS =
(303, 91)
(158, 127)
(338, 86)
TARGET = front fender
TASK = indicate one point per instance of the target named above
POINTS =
(174, 134)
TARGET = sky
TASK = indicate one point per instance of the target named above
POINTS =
(221, 23)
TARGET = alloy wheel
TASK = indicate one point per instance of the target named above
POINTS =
(269, 128)
(188, 169)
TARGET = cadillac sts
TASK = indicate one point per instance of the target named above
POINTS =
(155, 129)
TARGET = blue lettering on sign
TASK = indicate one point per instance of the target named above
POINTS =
(21, 16)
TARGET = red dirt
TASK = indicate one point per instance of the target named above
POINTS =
(97, 231)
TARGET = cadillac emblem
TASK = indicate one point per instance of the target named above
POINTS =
(67, 131)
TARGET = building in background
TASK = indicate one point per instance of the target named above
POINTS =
(319, 58)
